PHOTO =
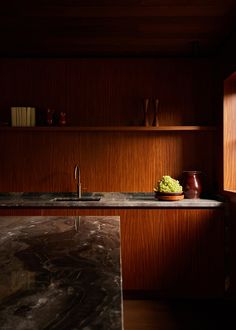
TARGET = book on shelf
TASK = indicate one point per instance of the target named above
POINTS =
(22, 116)
(13, 116)
(32, 116)
(28, 116)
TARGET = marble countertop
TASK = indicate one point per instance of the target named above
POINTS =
(60, 273)
(107, 200)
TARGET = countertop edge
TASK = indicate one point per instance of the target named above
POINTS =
(139, 200)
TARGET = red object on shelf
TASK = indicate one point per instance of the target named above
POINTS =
(192, 184)
(62, 118)
(49, 118)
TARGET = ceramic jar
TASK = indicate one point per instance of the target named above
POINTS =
(192, 184)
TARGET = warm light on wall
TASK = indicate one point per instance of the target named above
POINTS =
(229, 134)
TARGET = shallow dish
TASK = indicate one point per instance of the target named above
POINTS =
(169, 196)
(168, 193)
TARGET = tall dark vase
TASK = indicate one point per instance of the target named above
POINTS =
(192, 184)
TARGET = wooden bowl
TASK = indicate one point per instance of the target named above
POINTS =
(169, 196)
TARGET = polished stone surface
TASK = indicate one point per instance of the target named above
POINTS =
(107, 200)
(60, 273)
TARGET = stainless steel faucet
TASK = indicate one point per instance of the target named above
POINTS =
(77, 178)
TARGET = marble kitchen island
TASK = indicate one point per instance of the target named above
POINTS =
(60, 272)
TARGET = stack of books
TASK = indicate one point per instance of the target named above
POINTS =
(22, 116)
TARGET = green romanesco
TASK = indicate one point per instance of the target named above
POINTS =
(168, 185)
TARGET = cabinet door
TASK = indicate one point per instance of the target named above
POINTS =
(231, 246)
(174, 252)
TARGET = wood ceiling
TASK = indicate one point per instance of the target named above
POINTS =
(115, 27)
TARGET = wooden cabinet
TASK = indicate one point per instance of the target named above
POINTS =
(170, 252)
(177, 253)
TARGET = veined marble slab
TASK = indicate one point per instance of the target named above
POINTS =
(107, 200)
(60, 273)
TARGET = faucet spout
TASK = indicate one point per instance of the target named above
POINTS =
(77, 178)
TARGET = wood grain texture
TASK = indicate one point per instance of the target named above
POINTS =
(177, 253)
(104, 92)
(110, 91)
(229, 143)
(170, 252)
(36, 161)
(225, 62)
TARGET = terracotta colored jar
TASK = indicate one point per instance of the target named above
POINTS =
(192, 184)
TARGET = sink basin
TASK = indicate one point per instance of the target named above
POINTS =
(77, 199)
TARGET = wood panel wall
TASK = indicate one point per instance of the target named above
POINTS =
(42, 161)
(107, 91)
(110, 91)
(226, 63)
(229, 142)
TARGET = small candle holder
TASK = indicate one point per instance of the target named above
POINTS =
(156, 120)
(49, 117)
(62, 119)
(146, 117)
(151, 113)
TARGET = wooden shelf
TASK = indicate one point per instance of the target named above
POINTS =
(111, 128)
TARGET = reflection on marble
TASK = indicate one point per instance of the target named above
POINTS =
(60, 273)
(107, 200)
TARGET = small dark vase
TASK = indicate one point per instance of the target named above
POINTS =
(192, 184)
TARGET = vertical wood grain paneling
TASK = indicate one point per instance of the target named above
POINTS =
(174, 252)
(106, 91)
(120, 161)
(40, 83)
(229, 143)
(110, 91)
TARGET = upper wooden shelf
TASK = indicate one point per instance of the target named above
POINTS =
(112, 128)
